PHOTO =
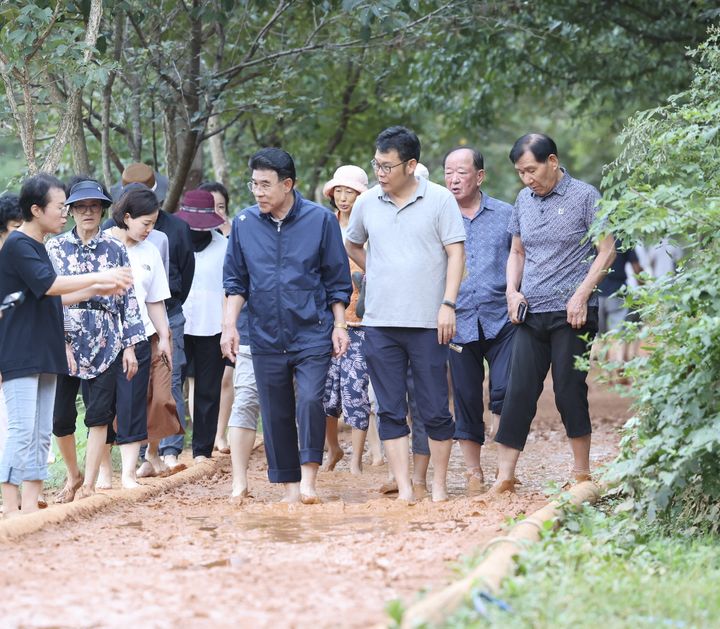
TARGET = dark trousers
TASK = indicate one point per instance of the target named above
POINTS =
(468, 373)
(282, 405)
(205, 353)
(546, 340)
(132, 399)
(388, 352)
(98, 396)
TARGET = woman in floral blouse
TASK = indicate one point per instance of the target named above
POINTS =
(101, 331)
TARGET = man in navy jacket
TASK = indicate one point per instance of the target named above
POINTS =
(287, 260)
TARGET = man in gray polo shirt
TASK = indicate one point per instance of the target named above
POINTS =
(414, 265)
(552, 271)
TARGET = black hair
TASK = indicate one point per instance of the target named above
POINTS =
(540, 145)
(136, 203)
(9, 210)
(216, 186)
(404, 141)
(76, 179)
(274, 159)
(35, 191)
(478, 159)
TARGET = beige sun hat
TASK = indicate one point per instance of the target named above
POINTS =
(349, 176)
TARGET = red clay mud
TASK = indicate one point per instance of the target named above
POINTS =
(190, 558)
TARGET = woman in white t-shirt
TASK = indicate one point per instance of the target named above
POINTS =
(135, 215)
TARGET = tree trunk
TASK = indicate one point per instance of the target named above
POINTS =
(170, 134)
(65, 128)
(217, 152)
(107, 100)
(80, 158)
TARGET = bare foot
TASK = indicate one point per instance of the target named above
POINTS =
(475, 480)
(310, 499)
(240, 497)
(130, 482)
(67, 493)
(356, 466)
(171, 460)
(419, 489)
(222, 446)
(84, 492)
(377, 461)
(292, 493)
(104, 479)
(439, 492)
(146, 470)
(334, 457)
(502, 487)
(410, 502)
(388, 487)
(42, 503)
(200, 458)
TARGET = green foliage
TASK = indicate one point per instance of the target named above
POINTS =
(666, 185)
(608, 570)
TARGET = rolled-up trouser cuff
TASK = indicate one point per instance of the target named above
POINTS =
(284, 476)
(16, 475)
(463, 435)
(311, 455)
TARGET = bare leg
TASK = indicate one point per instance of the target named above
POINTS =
(11, 500)
(30, 491)
(376, 454)
(191, 396)
(494, 427)
(440, 456)
(581, 457)
(335, 452)
(358, 447)
(399, 460)
(292, 493)
(97, 435)
(507, 461)
(241, 445)
(227, 394)
(66, 445)
(421, 462)
(129, 453)
(105, 474)
(471, 454)
(308, 493)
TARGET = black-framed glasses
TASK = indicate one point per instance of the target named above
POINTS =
(386, 168)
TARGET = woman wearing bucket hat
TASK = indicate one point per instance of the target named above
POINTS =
(203, 311)
(346, 387)
(101, 332)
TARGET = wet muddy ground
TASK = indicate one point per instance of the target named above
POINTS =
(188, 558)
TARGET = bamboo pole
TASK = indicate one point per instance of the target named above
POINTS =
(497, 565)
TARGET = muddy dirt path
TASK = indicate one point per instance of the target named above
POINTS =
(190, 559)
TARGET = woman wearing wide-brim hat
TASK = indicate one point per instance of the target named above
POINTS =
(346, 387)
(203, 310)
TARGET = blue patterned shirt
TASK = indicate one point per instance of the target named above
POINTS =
(104, 325)
(482, 292)
(553, 230)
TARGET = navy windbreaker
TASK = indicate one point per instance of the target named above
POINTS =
(289, 276)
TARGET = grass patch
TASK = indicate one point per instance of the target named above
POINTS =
(603, 569)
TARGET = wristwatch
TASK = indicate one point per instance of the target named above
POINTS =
(449, 304)
(342, 326)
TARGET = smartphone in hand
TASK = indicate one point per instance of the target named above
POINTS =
(522, 311)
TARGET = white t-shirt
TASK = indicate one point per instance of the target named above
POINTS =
(203, 308)
(149, 278)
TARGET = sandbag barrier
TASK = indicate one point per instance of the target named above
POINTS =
(14, 528)
(498, 563)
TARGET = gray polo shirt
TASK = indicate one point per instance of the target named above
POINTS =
(406, 260)
(553, 230)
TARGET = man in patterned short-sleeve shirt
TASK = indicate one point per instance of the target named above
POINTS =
(553, 269)
(484, 331)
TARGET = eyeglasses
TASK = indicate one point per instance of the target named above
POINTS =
(386, 168)
(93, 208)
(263, 186)
(64, 211)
